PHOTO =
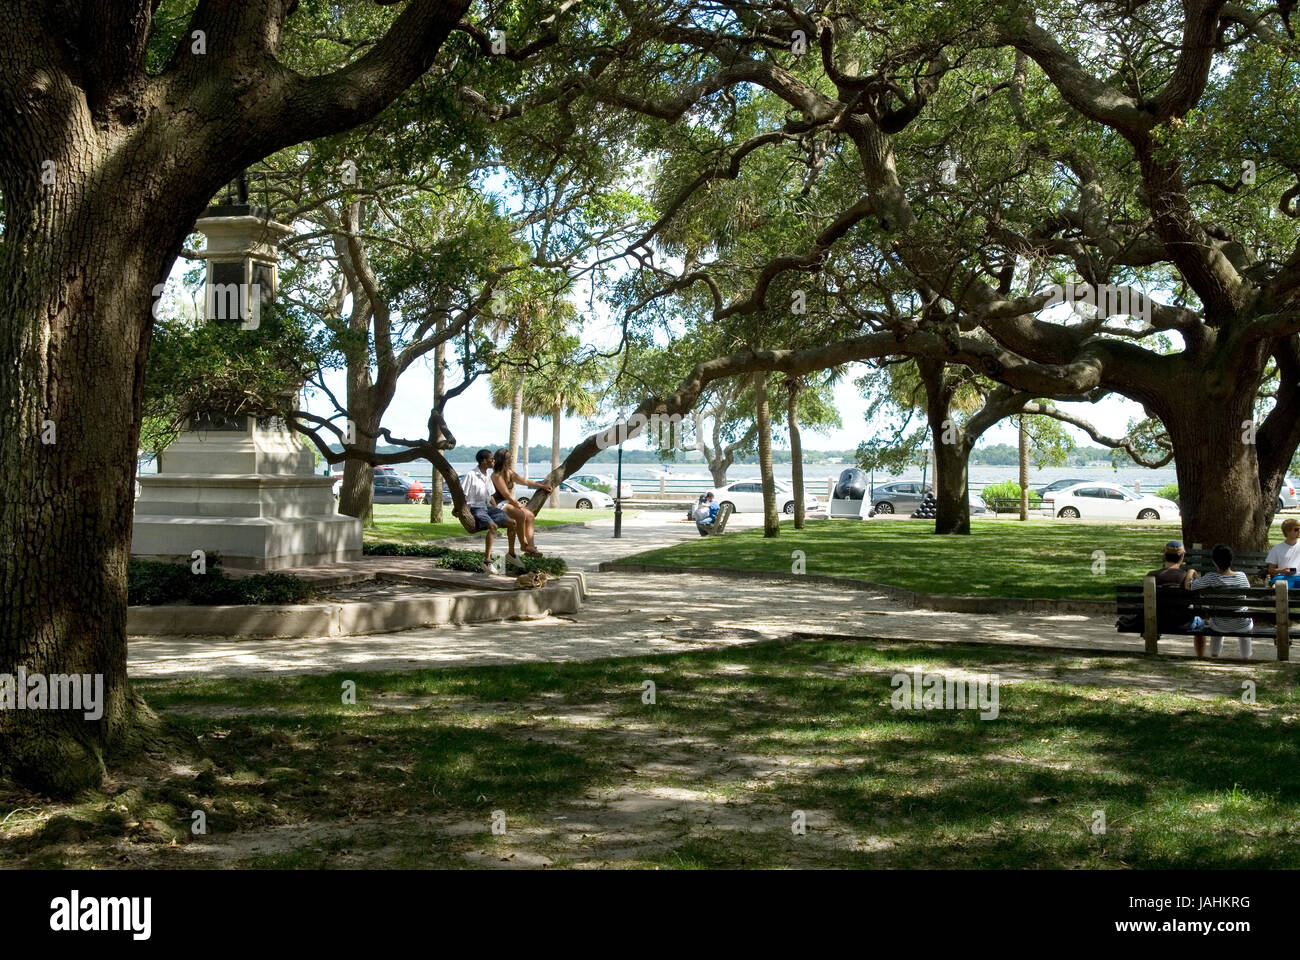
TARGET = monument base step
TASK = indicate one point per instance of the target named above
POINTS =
(249, 543)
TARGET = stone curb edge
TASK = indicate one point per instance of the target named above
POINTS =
(327, 620)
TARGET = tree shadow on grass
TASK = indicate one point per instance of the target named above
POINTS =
(710, 773)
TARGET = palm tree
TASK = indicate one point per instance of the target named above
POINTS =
(562, 387)
(506, 385)
(533, 319)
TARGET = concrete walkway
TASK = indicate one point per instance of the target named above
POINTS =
(586, 548)
(629, 614)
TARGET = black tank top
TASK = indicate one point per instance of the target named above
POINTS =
(498, 499)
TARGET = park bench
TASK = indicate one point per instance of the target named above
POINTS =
(719, 524)
(1252, 563)
(1143, 608)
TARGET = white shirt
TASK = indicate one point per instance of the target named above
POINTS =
(478, 488)
(1284, 556)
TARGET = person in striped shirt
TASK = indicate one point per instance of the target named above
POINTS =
(1222, 578)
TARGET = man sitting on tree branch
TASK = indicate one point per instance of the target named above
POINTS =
(478, 497)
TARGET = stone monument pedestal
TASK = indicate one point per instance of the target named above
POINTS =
(242, 488)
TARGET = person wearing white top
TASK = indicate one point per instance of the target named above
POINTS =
(478, 488)
(1285, 556)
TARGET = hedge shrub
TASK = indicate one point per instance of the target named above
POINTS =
(1007, 490)
(150, 583)
(470, 561)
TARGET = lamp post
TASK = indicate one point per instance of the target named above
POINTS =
(618, 496)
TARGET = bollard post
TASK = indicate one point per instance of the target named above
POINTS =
(1282, 597)
(1150, 628)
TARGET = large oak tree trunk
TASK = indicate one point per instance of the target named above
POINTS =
(1217, 464)
(72, 350)
(104, 169)
(771, 519)
(952, 501)
(718, 468)
(951, 486)
(356, 496)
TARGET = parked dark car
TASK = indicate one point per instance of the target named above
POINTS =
(901, 496)
(446, 494)
(904, 496)
(1058, 485)
(390, 489)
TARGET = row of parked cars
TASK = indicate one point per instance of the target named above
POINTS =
(574, 494)
(1088, 498)
(1069, 498)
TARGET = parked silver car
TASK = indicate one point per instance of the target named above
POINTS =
(570, 496)
(904, 496)
(1287, 497)
(901, 496)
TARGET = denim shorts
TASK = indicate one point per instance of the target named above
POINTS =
(484, 515)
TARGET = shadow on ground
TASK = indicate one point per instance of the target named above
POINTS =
(738, 746)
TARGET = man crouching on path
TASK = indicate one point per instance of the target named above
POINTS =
(478, 497)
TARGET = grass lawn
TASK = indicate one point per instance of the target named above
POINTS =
(1000, 558)
(585, 773)
(409, 523)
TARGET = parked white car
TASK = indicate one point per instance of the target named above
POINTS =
(570, 496)
(593, 480)
(746, 496)
(1108, 502)
(1288, 498)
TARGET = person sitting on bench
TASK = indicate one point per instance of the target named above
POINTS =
(705, 512)
(1285, 556)
(478, 497)
(1172, 576)
(1172, 573)
(1224, 577)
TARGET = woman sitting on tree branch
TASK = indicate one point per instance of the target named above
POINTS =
(504, 479)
